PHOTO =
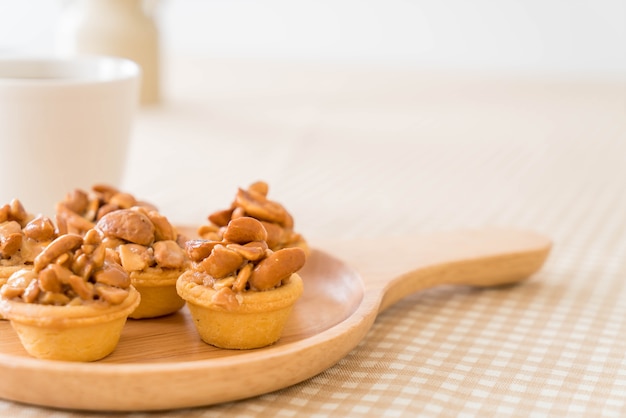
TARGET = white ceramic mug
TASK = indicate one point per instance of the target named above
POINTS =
(65, 123)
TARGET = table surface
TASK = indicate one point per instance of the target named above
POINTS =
(372, 152)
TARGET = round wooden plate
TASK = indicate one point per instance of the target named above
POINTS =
(162, 363)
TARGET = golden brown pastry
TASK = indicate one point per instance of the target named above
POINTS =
(253, 202)
(73, 304)
(149, 248)
(240, 293)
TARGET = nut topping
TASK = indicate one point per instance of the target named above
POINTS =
(129, 225)
(18, 283)
(81, 210)
(272, 270)
(77, 201)
(32, 292)
(221, 218)
(56, 248)
(163, 230)
(112, 274)
(70, 270)
(122, 200)
(241, 261)
(113, 295)
(199, 249)
(258, 206)
(259, 187)
(11, 243)
(22, 237)
(40, 229)
(254, 203)
(243, 230)
(252, 251)
(221, 262)
(134, 257)
(140, 238)
(10, 227)
(168, 254)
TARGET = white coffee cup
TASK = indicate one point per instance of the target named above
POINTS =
(65, 123)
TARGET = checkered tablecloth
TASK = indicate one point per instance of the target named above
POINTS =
(356, 153)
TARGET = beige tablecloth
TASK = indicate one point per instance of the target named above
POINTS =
(373, 152)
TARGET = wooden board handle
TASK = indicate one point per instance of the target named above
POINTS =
(397, 267)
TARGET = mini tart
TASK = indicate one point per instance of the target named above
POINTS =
(147, 247)
(257, 322)
(83, 333)
(158, 292)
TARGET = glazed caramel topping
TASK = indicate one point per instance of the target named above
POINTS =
(70, 270)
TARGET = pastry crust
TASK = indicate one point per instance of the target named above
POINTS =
(86, 332)
(158, 292)
(258, 320)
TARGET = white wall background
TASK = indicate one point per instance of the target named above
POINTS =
(556, 36)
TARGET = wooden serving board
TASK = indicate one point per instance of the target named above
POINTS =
(162, 363)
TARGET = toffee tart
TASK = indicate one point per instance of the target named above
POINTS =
(150, 249)
(73, 304)
(239, 292)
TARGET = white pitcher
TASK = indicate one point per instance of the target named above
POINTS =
(123, 28)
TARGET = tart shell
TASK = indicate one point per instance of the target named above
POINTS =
(258, 321)
(84, 333)
(158, 292)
